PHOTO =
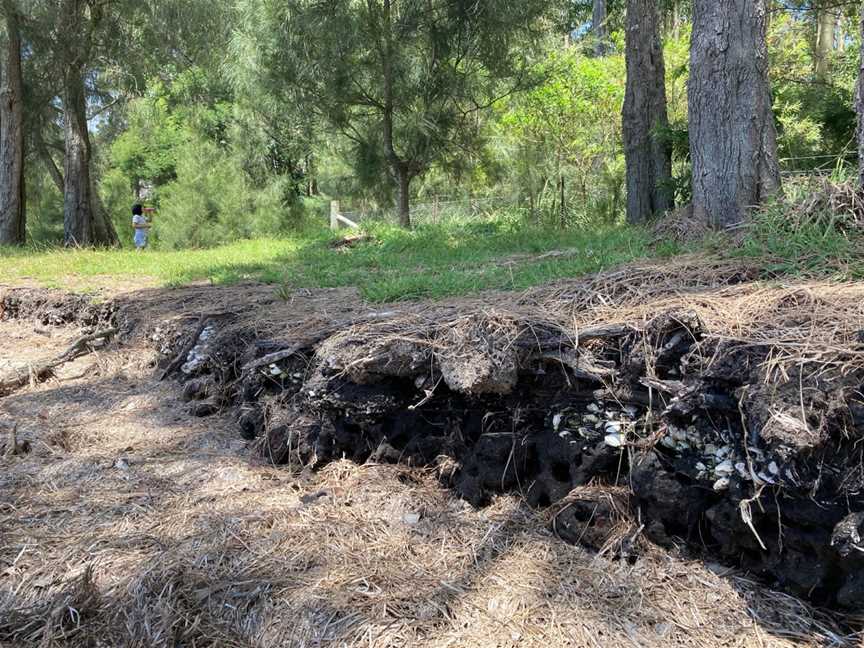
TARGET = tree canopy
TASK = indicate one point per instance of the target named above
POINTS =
(239, 117)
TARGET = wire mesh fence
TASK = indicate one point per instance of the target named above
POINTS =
(436, 210)
(431, 210)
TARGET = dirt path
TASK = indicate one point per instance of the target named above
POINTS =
(132, 523)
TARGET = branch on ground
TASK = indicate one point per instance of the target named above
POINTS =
(35, 374)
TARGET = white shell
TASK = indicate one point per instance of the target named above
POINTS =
(724, 468)
(721, 484)
(614, 440)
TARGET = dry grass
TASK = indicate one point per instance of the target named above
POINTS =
(812, 324)
(829, 204)
(253, 557)
(188, 542)
(193, 545)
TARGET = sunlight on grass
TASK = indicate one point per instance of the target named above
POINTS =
(229, 263)
(430, 261)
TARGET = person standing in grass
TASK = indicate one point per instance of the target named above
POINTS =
(141, 225)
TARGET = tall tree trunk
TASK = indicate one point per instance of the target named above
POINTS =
(599, 29)
(826, 22)
(733, 139)
(84, 219)
(404, 179)
(400, 168)
(647, 152)
(859, 105)
(12, 197)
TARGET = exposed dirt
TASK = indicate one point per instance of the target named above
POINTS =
(140, 517)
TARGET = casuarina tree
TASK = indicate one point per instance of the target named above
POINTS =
(733, 139)
(99, 54)
(85, 222)
(403, 80)
(12, 199)
(648, 154)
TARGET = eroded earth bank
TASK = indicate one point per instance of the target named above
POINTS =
(693, 406)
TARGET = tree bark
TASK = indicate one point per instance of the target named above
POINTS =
(826, 21)
(859, 105)
(85, 222)
(404, 178)
(599, 28)
(400, 168)
(648, 154)
(12, 196)
(733, 139)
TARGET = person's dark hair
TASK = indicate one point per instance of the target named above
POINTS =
(137, 210)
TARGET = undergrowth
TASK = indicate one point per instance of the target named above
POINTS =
(812, 231)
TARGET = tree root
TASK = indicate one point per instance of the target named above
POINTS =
(34, 374)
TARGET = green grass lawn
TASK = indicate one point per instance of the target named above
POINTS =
(430, 261)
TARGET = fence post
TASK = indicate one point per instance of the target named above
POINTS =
(334, 212)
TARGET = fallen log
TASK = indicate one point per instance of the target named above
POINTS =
(23, 376)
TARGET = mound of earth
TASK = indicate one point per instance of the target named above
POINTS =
(716, 409)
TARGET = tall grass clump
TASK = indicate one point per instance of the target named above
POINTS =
(815, 228)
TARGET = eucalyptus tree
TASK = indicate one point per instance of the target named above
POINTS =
(402, 79)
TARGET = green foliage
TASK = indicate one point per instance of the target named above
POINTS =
(404, 83)
(242, 112)
(816, 120)
(211, 168)
(562, 130)
(800, 234)
(44, 208)
(211, 202)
